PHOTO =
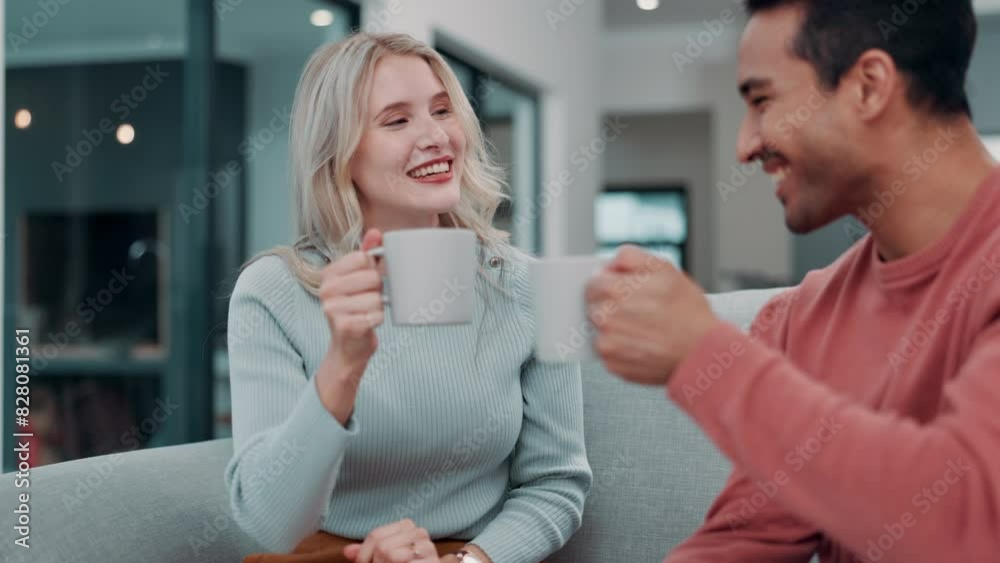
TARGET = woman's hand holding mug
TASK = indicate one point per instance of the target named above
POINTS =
(351, 296)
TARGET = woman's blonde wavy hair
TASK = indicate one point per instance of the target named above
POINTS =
(328, 121)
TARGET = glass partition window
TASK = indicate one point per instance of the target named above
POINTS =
(656, 219)
(145, 160)
(508, 115)
(271, 42)
(93, 159)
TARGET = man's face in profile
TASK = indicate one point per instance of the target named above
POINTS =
(794, 124)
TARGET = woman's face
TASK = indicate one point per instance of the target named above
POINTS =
(408, 165)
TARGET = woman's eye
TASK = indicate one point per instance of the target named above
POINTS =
(443, 111)
(399, 121)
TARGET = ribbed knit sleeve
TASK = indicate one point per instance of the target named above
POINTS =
(287, 447)
(549, 474)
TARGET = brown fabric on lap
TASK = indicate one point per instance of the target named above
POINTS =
(322, 547)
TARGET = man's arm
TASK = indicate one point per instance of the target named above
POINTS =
(746, 523)
(882, 485)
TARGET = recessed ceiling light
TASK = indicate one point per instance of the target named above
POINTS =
(125, 134)
(22, 119)
(648, 4)
(321, 18)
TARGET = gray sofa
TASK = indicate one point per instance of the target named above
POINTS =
(654, 476)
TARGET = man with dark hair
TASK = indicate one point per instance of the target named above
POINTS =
(862, 412)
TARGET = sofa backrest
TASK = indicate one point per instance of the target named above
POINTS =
(655, 472)
(155, 505)
(655, 475)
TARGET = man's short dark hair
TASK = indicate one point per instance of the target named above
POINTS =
(930, 41)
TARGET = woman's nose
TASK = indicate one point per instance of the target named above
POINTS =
(432, 136)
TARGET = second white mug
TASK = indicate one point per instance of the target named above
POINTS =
(563, 332)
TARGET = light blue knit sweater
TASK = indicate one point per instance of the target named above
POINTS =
(456, 427)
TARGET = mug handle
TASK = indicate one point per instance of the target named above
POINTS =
(379, 252)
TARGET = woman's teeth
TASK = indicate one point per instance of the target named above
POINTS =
(438, 168)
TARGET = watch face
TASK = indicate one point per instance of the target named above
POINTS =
(466, 557)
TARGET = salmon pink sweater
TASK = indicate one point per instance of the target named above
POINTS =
(862, 412)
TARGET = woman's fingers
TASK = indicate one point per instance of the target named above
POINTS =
(367, 551)
(359, 304)
(348, 263)
(351, 551)
(359, 281)
(405, 546)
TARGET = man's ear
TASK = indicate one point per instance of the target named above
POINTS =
(872, 83)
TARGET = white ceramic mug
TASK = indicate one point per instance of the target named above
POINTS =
(562, 331)
(431, 275)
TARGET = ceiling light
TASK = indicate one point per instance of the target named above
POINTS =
(648, 4)
(22, 119)
(125, 134)
(321, 18)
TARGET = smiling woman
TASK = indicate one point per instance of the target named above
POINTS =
(384, 139)
(409, 162)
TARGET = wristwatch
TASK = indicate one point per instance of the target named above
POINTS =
(466, 557)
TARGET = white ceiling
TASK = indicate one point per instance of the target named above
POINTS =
(624, 14)
(619, 14)
(267, 28)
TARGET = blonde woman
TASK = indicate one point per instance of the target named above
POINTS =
(356, 440)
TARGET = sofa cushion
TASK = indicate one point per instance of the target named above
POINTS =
(654, 476)
(157, 505)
